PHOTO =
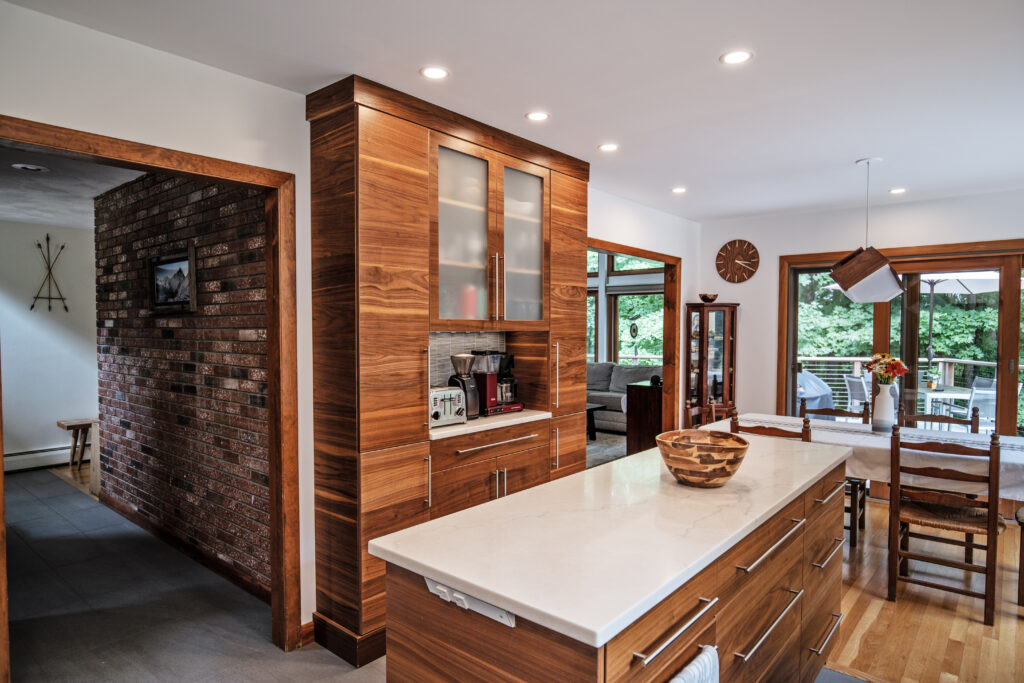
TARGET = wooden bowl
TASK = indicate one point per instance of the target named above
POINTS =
(702, 458)
(708, 298)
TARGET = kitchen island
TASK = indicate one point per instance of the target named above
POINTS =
(620, 573)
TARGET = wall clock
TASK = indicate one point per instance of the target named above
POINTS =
(737, 261)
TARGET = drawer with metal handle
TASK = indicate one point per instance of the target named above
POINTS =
(827, 495)
(462, 450)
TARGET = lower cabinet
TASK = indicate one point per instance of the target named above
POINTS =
(568, 444)
(522, 470)
(458, 488)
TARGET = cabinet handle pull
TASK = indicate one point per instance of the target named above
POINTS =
(557, 450)
(647, 659)
(430, 475)
(505, 480)
(752, 567)
(497, 443)
(495, 317)
(504, 289)
(839, 619)
(764, 636)
(557, 372)
(839, 546)
(841, 487)
(497, 481)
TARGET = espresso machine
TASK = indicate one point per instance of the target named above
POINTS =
(463, 379)
(497, 387)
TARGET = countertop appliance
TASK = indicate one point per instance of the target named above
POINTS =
(498, 388)
(447, 406)
(463, 379)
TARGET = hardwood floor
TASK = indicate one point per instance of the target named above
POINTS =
(927, 635)
(79, 478)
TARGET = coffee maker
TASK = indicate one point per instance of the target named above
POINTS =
(463, 379)
(498, 388)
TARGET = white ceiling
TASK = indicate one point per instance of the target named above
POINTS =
(64, 196)
(936, 88)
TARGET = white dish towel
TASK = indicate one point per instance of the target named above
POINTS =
(703, 669)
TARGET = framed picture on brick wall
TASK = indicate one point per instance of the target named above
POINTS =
(172, 282)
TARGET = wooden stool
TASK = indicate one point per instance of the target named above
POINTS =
(79, 434)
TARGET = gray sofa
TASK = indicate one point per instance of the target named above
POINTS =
(606, 385)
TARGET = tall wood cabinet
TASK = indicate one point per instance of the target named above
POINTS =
(711, 354)
(424, 220)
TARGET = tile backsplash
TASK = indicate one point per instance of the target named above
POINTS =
(444, 344)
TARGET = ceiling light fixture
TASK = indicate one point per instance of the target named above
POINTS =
(865, 275)
(678, 190)
(898, 190)
(434, 73)
(31, 168)
(608, 147)
(736, 57)
(538, 116)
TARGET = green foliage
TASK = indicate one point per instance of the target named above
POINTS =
(591, 326)
(623, 262)
(829, 323)
(593, 258)
(648, 312)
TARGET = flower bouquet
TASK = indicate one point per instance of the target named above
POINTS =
(885, 367)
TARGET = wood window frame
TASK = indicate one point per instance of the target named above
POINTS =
(282, 364)
(592, 294)
(1005, 255)
(670, 344)
(612, 271)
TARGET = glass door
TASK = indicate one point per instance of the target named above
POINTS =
(462, 236)
(522, 293)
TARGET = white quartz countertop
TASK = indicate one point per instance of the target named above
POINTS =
(588, 554)
(482, 424)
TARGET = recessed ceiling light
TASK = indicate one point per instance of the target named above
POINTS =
(31, 168)
(736, 57)
(678, 190)
(538, 116)
(898, 190)
(608, 147)
(434, 73)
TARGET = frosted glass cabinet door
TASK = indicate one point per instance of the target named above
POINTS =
(522, 298)
(461, 236)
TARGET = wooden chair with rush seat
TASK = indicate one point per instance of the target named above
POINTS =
(960, 513)
(735, 427)
(972, 423)
(856, 489)
(697, 415)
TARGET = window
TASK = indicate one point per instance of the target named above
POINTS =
(592, 327)
(593, 260)
(640, 328)
(621, 263)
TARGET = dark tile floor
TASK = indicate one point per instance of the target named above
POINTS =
(94, 597)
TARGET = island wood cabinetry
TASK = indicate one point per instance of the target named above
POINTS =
(424, 220)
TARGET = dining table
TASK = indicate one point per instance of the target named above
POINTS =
(942, 392)
(871, 452)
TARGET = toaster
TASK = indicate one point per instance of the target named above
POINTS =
(447, 406)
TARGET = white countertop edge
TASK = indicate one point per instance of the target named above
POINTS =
(483, 424)
(599, 637)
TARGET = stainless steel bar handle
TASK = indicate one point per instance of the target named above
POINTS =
(505, 479)
(497, 477)
(504, 289)
(496, 443)
(764, 636)
(557, 449)
(495, 317)
(839, 546)
(647, 659)
(839, 620)
(430, 492)
(752, 567)
(557, 372)
(841, 487)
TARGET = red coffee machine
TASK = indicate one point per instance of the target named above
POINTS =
(494, 381)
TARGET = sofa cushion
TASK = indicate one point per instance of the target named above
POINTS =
(609, 399)
(598, 376)
(627, 374)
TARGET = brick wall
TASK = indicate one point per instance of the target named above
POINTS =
(183, 396)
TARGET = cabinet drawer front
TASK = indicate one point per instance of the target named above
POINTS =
(523, 470)
(820, 631)
(752, 558)
(458, 488)
(461, 450)
(675, 626)
(824, 546)
(826, 493)
(568, 445)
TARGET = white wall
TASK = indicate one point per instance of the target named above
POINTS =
(48, 356)
(59, 73)
(970, 218)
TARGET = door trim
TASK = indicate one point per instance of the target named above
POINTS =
(282, 390)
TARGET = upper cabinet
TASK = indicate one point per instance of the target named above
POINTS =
(489, 239)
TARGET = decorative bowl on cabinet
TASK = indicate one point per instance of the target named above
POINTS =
(708, 298)
(697, 457)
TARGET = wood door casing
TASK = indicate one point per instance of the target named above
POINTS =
(568, 444)
(393, 284)
(525, 469)
(5, 650)
(568, 287)
(458, 488)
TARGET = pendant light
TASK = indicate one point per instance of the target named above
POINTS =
(865, 275)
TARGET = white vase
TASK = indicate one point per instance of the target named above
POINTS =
(883, 413)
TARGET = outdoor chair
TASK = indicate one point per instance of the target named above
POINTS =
(915, 506)
(856, 391)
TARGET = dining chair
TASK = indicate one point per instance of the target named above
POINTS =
(856, 391)
(862, 415)
(1019, 516)
(936, 508)
(972, 423)
(735, 427)
(695, 415)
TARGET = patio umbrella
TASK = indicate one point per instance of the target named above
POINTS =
(964, 283)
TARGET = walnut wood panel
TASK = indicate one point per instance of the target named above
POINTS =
(818, 620)
(520, 471)
(532, 353)
(335, 514)
(820, 540)
(568, 444)
(393, 289)
(458, 488)
(734, 582)
(741, 623)
(355, 88)
(393, 496)
(822, 489)
(487, 444)
(429, 639)
(281, 325)
(568, 277)
(658, 625)
(356, 649)
(643, 416)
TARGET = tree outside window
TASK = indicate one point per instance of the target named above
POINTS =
(647, 312)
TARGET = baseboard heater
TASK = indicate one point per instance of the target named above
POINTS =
(47, 457)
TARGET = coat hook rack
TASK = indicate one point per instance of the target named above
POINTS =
(50, 282)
